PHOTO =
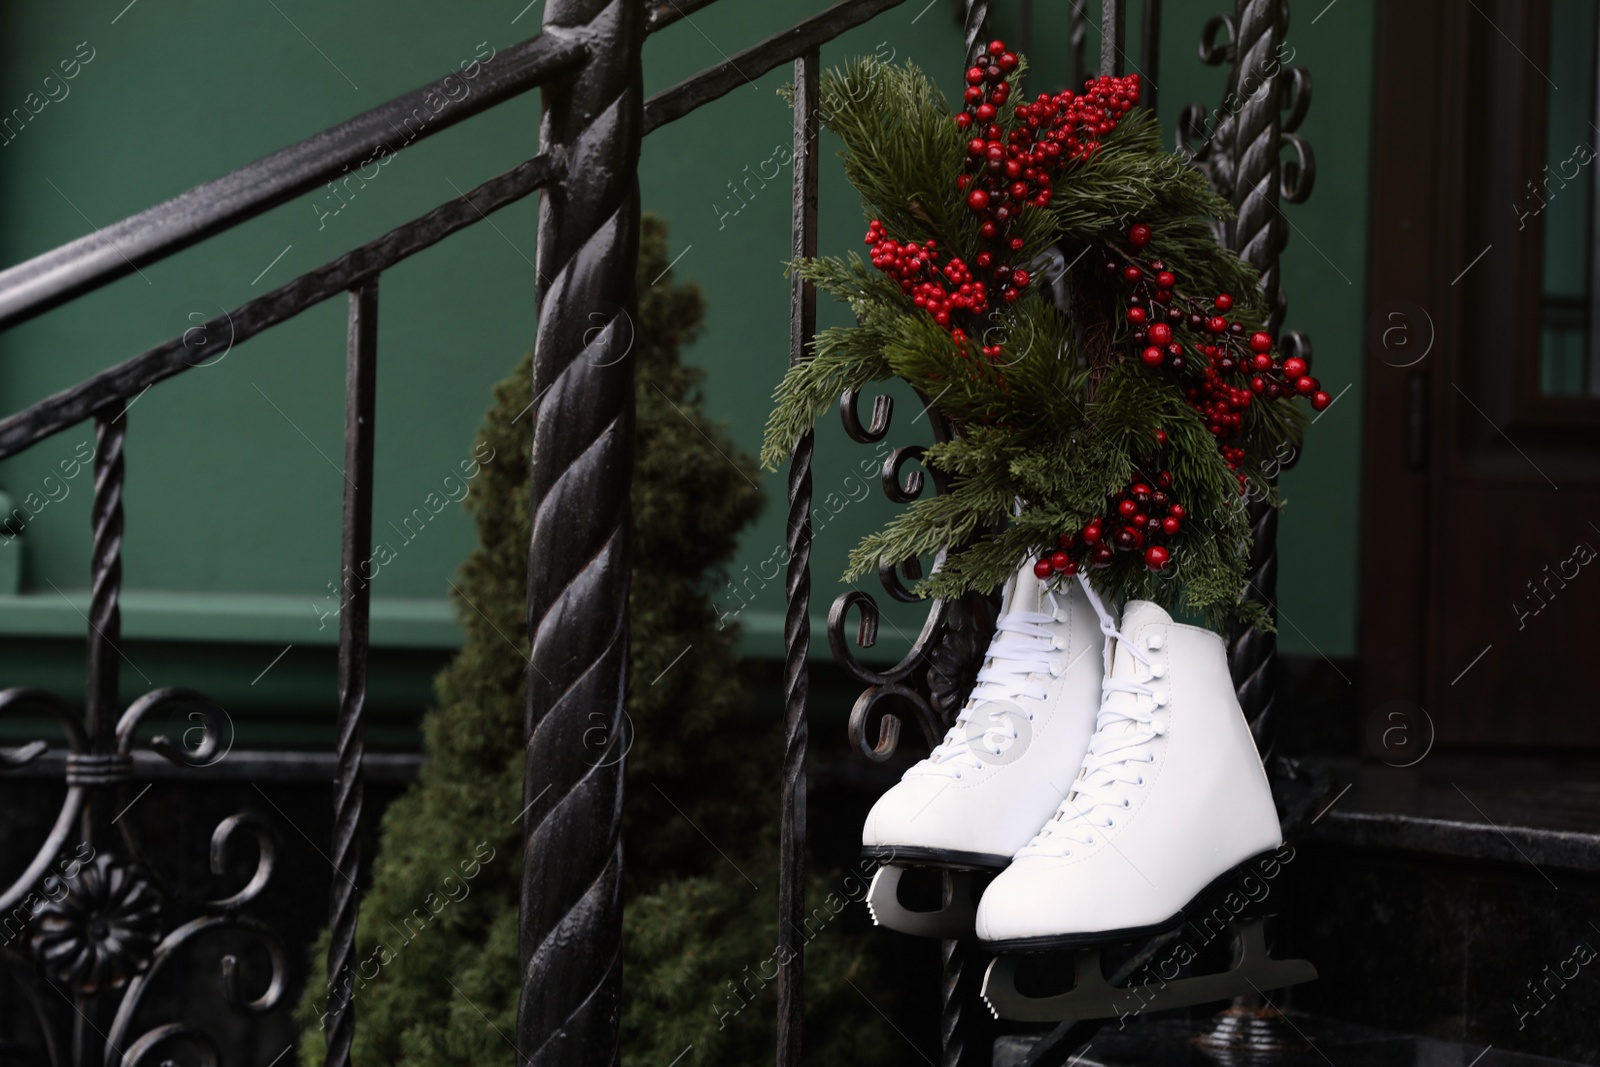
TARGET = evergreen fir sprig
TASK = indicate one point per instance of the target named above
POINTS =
(1053, 417)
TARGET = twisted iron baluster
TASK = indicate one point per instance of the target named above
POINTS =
(797, 584)
(1150, 53)
(570, 926)
(105, 612)
(1258, 237)
(355, 593)
(958, 1041)
(1078, 43)
(1113, 35)
(102, 675)
(975, 30)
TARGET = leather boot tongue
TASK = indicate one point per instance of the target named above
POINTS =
(1136, 614)
(1025, 591)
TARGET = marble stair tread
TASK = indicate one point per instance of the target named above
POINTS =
(1499, 807)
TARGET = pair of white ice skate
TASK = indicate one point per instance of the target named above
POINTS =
(1105, 771)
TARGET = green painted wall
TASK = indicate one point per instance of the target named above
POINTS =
(233, 485)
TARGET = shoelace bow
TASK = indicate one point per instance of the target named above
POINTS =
(1023, 648)
(1123, 730)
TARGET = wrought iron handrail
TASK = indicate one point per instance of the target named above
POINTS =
(111, 252)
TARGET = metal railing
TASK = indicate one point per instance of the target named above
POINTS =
(587, 60)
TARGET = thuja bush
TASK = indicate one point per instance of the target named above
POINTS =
(436, 978)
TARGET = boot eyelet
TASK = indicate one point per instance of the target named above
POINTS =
(1140, 780)
(1126, 803)
(1154, 641)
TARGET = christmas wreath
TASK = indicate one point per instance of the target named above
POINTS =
(1049, 279)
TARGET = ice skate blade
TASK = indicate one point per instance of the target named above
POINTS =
(1092, 997)
(943, 859)
(952, 922)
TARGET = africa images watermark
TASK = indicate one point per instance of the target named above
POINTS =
(821, 916)
(410, 528)
(55, 89)
(1542, 994)
(450, 90)
(454, 889)
(55, 491)
(53, 889)
(821, 514)
(1202, 929)
(786, 152)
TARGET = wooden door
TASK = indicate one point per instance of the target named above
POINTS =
(1481, 469)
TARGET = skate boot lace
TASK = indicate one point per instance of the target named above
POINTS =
(1117, 752)
(1024, 647)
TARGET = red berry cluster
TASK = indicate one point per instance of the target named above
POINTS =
(1141, 518)
(1008, 169)
(940, 290)
(1011, 168)
(1227, 365)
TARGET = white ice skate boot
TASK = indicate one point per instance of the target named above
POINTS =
(1171, 815)
(1006, 763)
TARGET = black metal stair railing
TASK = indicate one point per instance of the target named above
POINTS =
(93, 986)
(87, 994)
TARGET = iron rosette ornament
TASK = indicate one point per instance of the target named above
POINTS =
(102, 931)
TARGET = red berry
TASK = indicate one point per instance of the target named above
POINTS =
(1170, 525)
(1161, 437)
(1160, 333)
(1131, 274)
(1066, 540)
(1136, 315)
(1042, 569)
(1059, 560)
(1156, 557)
(1127, 509)
(1223, 302)
(1261, 342)
(974, 75)
(1166, 279)
(1091, 533)
(1152, 357)
(1176, 511)
(997, 48)
(985, 112)
(1138, 235)
(1006, 62)
(1217, 324)
(1294, 367)
(977, 200)
(1321, 400)
(1305, 386)
(963, 120)
(1070, 569)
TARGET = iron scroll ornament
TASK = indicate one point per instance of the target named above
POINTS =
(101, 934)
(927, 681)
